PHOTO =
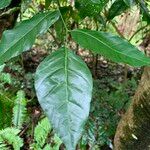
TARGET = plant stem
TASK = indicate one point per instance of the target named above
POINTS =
(117, 30)
(137, 32)
(62, 16)
(66, 29)
(114, 25)
(56, 41)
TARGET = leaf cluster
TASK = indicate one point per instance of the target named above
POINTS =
(63, 82)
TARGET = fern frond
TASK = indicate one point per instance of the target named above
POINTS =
(5, 78)
(19, 110)
(41, 134)
(41, 131)
(48, 147)
(57, 142)
(6, 104)
(10, 136)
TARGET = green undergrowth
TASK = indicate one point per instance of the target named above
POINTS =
(109, 103)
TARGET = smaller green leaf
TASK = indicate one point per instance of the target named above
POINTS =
(47, 147)
(11, 136)
(110, 46)
(145, 11)
(47, 3)
(59, 28)
(4, 3)
(5, 78)
(116, 9)
(90, 7)
(19, 110)
(41, 132)
(57, 142)
(129, 2)
(22, 37)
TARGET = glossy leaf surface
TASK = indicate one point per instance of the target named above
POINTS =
(63, 85)
(110, 46)
(4, 3)
(22, 37)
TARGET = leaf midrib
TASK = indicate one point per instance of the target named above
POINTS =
(18, 111)
(66, 81)
(67, 93)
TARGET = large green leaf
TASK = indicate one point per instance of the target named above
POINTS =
(63, 85)
(112, 47)
(22, 37)
(4, 3)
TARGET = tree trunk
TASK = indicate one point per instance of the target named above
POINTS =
(133, 131)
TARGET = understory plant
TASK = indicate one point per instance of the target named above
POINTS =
(10, 137)
(63, 82)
